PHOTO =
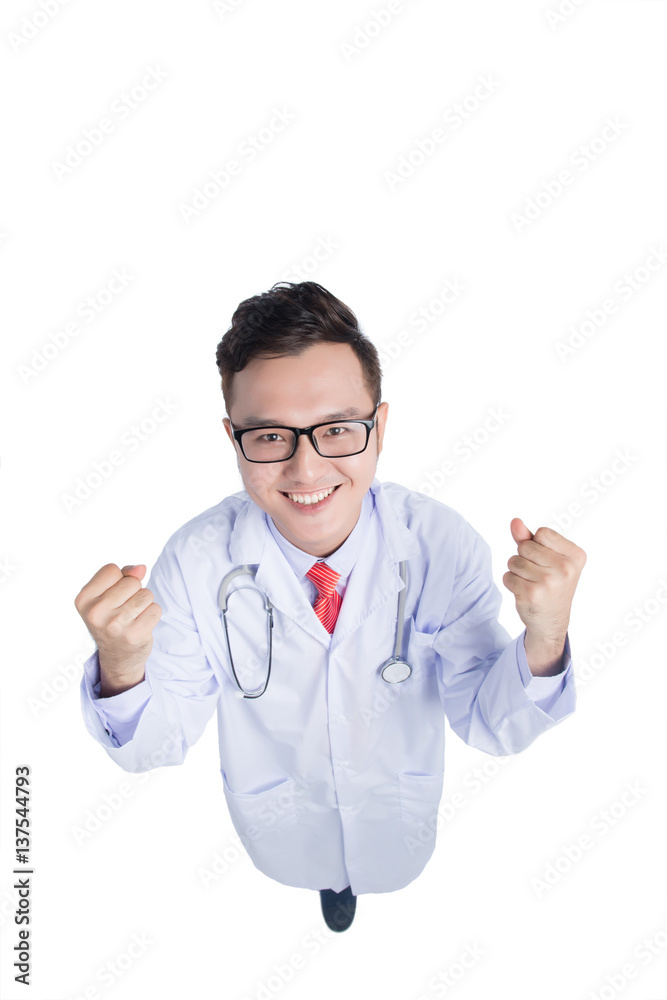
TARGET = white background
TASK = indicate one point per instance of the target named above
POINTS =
(324, 180)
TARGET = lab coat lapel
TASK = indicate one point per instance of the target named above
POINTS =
(375, 577)
(253, 544)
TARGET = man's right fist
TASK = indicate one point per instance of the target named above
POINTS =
(120, 615)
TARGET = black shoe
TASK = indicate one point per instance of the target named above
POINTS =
(338, 908)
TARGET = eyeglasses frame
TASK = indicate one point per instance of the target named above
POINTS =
(309, 432)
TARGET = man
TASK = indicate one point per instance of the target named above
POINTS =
(332, 765)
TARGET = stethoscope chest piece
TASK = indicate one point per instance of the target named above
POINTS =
(396, 670)
(393, 671)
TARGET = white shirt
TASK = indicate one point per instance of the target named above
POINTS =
(342, 560)
(333, 777)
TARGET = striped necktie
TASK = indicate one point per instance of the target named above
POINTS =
(328, 603)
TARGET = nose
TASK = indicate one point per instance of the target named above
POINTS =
(306, 464)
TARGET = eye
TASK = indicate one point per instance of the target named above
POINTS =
(262, 437)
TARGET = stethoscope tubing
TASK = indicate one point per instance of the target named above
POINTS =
(394, 671)
(268, 607)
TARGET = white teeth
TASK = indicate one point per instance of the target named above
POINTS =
(309, 498)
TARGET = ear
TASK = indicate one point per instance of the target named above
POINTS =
(228, 427)
(381, 420)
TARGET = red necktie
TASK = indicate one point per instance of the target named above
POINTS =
(328, 603)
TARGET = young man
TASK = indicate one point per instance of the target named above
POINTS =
(374, 615)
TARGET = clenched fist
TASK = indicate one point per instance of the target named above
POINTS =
(120, 615)
(543, 578)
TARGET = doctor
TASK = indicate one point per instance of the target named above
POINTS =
(332, 773)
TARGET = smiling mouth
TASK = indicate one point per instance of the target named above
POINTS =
(310, 498)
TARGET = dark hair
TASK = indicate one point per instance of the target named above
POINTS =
(286, 320)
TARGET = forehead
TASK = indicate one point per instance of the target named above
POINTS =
(324, 382)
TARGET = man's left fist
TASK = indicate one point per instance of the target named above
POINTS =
(543, 578)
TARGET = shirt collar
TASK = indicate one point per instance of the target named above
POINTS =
(393, 505)
(345, 556)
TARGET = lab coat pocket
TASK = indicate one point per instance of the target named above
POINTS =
(269, 809)
(420, 653)
(419, 795)
(420, 638)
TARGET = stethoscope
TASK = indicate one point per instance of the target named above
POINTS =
(395, 670)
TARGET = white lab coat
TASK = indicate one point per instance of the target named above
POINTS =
(333, 777)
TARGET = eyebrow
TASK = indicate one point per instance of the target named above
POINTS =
(253, 421)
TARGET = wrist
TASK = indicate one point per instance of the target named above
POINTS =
(117, 686)
(114, 680)
(544, 655)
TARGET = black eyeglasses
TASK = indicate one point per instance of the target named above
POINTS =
(334, 439)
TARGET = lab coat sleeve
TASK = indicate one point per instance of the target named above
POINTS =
(155, 722)
(120, 713)
(545, 691)
(492, 701)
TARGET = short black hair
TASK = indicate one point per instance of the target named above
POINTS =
(286, 320)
